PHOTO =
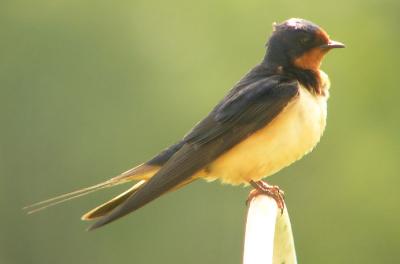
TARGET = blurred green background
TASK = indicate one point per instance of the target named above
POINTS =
(91, 88)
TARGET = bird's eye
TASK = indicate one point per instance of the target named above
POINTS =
(304, 40)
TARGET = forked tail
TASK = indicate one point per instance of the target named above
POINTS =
(140, 172)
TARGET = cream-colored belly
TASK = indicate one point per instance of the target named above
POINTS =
(292, 134)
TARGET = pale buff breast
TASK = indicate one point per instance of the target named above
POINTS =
(292, 134)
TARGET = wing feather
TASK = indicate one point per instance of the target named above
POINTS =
(243, 111)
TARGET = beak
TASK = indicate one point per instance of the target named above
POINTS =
(332, 44)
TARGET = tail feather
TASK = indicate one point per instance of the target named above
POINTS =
(114, 214)
(36, 207)
(140, 172)
(108, 206)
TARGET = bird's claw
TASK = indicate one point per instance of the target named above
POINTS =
(273, 191)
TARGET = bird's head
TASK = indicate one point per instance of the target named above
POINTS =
(298, 43)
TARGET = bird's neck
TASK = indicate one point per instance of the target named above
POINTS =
(310, 79)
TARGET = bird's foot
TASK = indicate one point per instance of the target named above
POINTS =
(263, 188)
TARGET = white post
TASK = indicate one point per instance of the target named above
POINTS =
(268, 236)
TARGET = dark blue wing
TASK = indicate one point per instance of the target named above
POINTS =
(249, 106)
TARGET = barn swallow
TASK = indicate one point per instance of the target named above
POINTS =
(272, 117)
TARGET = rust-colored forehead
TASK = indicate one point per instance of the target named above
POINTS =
(322, 35)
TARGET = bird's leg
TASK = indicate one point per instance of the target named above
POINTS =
(273, 191)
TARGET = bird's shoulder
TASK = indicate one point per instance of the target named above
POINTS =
(252, 103)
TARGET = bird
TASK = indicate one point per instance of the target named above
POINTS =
(271, 118)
